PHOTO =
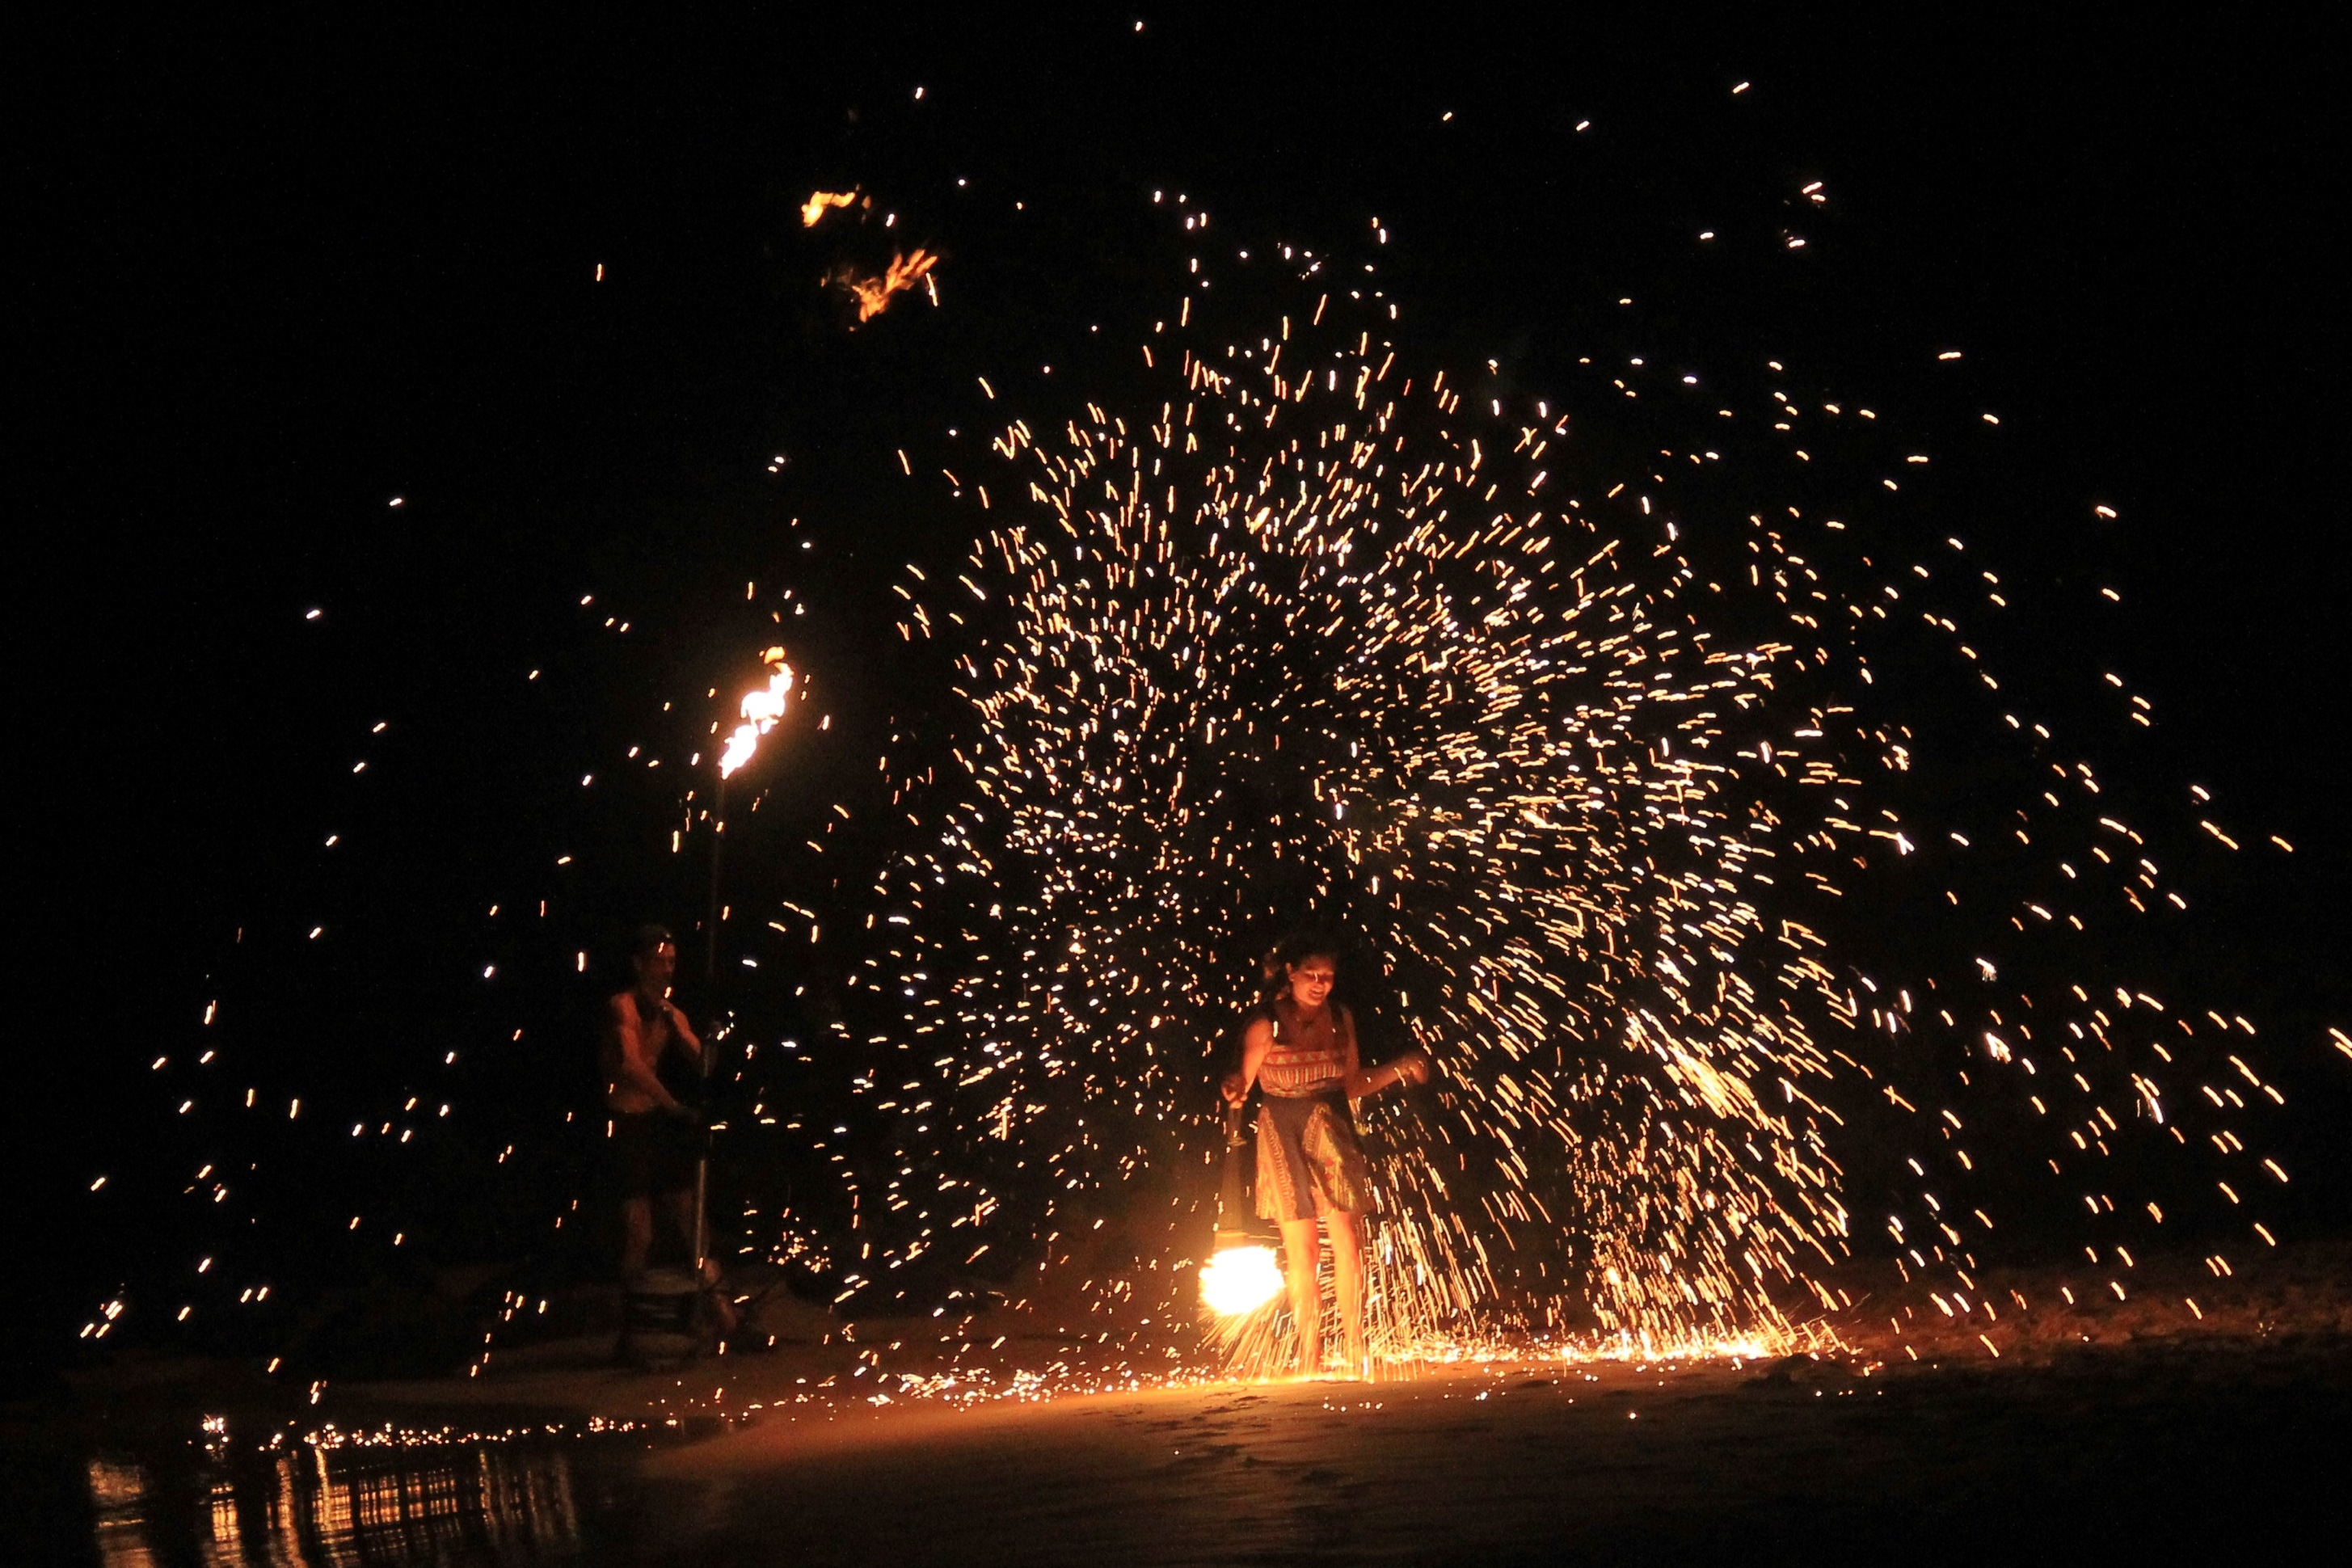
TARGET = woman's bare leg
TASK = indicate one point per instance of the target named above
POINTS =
(1348, 1285)
(1298, 1260)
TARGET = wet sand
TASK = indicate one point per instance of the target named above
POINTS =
(2233, 1446)
(2114, 1420)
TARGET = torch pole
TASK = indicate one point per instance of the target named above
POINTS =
(717, 856)
(710, 1033)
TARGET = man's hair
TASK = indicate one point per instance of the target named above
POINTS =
(650, 940)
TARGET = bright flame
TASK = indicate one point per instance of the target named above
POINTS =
(1240, 1279)
(814, 208)
(762, 709)
(904, 272)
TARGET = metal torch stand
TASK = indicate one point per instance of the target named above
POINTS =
(709, 1041)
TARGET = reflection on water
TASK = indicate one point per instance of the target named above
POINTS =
(493, 1503)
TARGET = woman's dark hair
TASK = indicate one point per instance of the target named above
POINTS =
(1302, 945)
(1293, 951)
(651, 939)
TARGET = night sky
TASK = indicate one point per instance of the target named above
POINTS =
(281, 277)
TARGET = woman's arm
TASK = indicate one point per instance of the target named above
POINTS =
(1364, 1082)
(1410, 1067)
(1256, 1040)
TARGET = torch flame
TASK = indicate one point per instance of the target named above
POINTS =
(814, 208)
(1240, 1279)
(904, 272)
(762, 709)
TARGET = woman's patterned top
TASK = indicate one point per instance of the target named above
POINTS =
(1307, 1056)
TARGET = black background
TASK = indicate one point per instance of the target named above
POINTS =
(281, 274)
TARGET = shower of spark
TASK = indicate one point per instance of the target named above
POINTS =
(1477, 740)
(1620, 773)
(1583, 759)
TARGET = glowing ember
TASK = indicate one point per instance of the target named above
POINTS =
(904, 272)
(1240, 1279)
(762, 709)
(815, 208)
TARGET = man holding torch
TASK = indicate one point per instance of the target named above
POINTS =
(657, 1137)
(659, 1141)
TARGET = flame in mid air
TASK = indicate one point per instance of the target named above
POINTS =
(904, 272)
(1240, 1279)
(815, 208)
(762, 709)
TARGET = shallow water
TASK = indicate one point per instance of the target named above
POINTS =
(531, 1500)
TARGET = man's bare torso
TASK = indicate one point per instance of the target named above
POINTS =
(626, 1015)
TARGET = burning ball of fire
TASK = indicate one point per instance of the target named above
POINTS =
(1240, 1279)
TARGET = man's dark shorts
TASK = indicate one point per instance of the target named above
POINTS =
(655, 1153)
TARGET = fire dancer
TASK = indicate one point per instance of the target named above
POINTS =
(1300, 1048)
(656, 1136)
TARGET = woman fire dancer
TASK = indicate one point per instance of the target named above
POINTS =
(1300, 1048)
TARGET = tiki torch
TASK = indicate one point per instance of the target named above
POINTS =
(762, 709)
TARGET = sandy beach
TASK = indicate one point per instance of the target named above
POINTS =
(2106, 1426)
(2107, 1452)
